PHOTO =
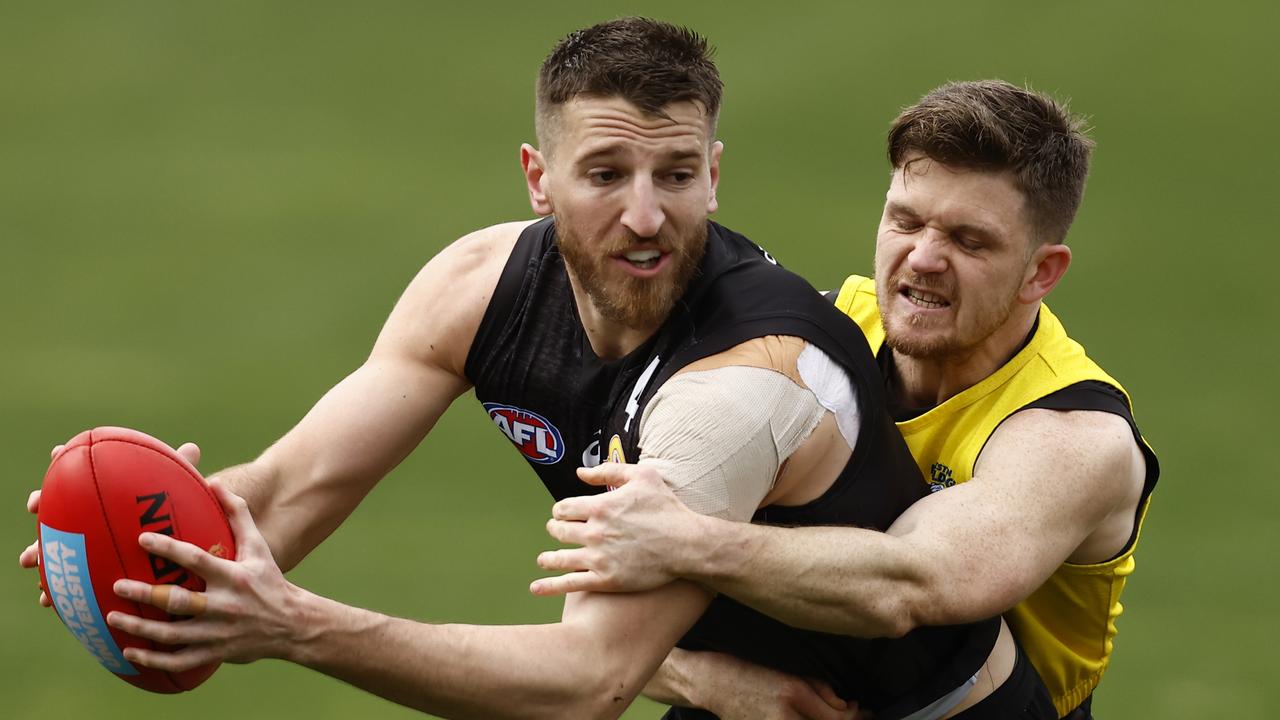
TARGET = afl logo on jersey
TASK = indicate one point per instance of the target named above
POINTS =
(535, 437)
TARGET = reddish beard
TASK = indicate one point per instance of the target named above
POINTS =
(639, 303)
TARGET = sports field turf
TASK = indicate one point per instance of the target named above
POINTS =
(207, 209)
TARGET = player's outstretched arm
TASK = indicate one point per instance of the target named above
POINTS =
(589, 665)
(308, 482)
(1050, 486)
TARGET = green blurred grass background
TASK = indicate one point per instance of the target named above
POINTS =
(206, 211)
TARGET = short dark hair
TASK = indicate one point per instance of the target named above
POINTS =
(646, 62)
(994, 125)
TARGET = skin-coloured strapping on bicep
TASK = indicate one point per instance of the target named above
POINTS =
(719, 436)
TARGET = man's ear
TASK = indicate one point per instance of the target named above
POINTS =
(717, 149)
(1048, 264)
(535, 179)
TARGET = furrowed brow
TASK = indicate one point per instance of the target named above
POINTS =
(979, 231)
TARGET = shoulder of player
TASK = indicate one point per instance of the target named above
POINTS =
(466, 272)
(1085, 452)
(446, 300)
(480, 254)
(733, 382)
(771, 352)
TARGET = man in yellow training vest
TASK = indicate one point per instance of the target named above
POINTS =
(1040, 476)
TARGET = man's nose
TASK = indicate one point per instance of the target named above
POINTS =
(929, 254)
(642, 214)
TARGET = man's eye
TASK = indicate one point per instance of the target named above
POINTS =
(681, 177)
(906, 226)
(603, 177)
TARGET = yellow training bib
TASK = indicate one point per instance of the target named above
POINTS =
(1066, 627)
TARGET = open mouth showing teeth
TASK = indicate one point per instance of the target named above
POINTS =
(643, 259)
(924, 299)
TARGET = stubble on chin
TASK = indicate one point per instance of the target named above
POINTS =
(912, 342)
(906, 332)
(920, 337)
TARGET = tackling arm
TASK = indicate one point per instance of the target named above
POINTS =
(1050, 486)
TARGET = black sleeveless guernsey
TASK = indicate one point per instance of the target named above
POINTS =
(535, 373)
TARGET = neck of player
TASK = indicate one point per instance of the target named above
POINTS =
(925, 382)
(609, 339)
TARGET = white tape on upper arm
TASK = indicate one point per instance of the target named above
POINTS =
(719, 436)
(835, 392)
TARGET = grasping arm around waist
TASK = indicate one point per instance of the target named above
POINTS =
(1050, 486)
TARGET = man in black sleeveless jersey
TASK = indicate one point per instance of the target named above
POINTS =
(626, 327)
(1040, 477)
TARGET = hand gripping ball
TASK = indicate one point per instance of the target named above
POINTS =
(103, 489)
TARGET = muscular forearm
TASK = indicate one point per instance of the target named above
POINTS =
(590, 665)
(832, 579)
(293, 513)
(962, 555)
(675, 681)
(285, 532)
(459, 671)
(840, 580)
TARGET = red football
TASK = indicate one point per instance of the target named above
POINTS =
(102, 490)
